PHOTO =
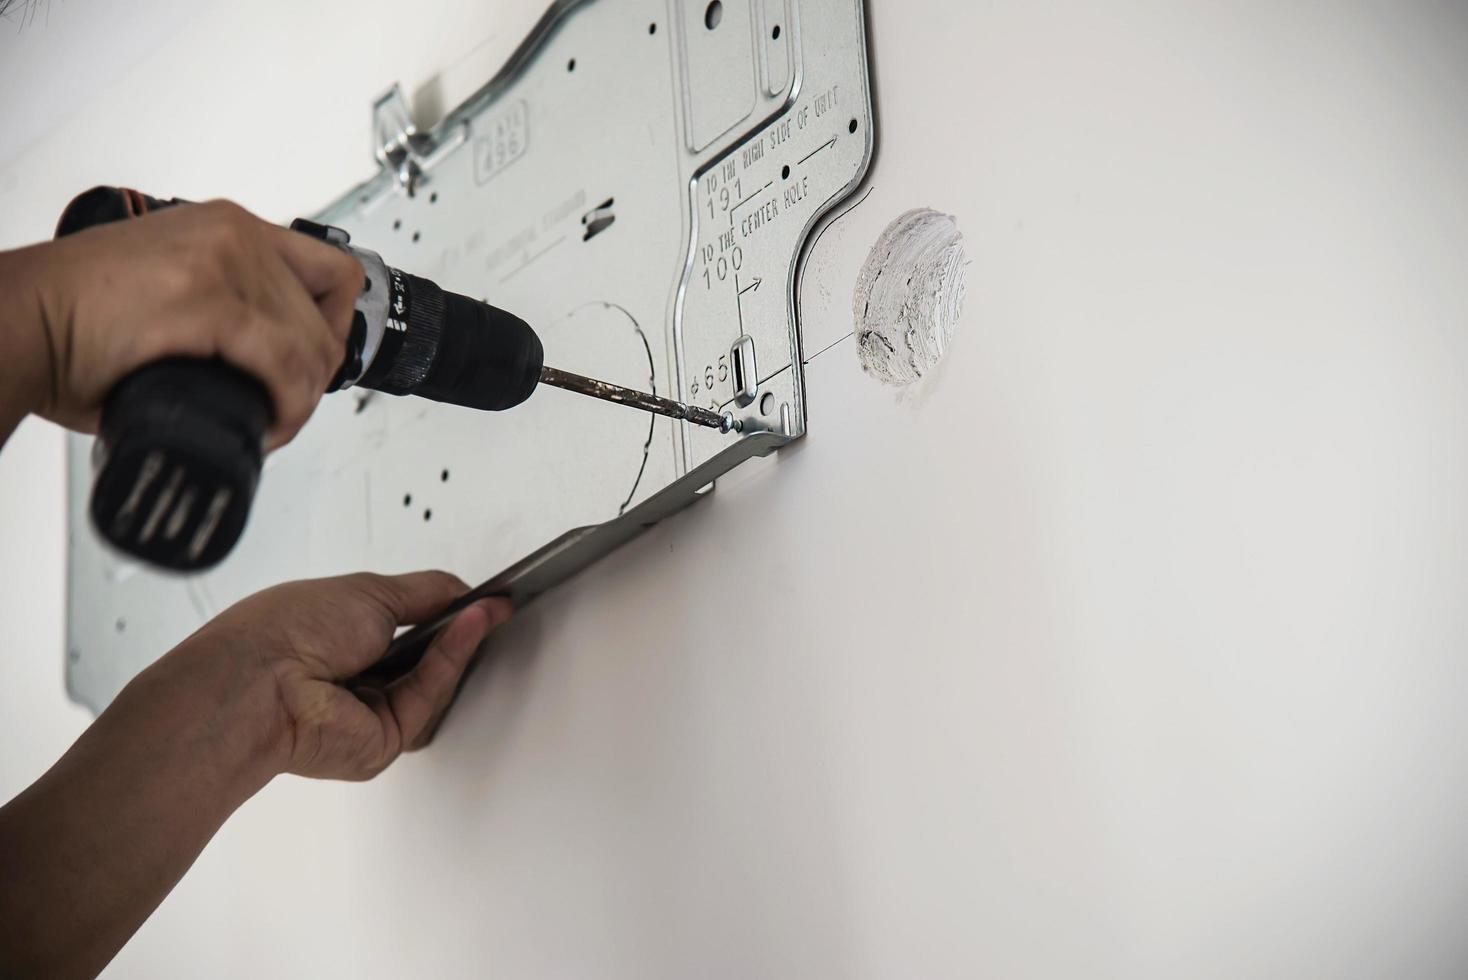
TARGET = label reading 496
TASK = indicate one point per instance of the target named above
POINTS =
(502, 142)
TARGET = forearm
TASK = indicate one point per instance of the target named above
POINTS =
(90, 849)
(25, 356)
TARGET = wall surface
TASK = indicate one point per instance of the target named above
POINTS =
(1131, 642)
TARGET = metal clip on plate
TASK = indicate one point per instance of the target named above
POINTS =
(398, 145)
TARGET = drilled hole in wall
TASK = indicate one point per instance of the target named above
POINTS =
(775, 34)
(767, 403)
(713, 14)
(851, 126)
(909, 297)
(785, 172)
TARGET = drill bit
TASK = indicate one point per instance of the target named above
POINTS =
(638, 399)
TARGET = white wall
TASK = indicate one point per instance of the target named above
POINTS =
(1159, 669)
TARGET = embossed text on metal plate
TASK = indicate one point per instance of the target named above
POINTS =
(638, 183)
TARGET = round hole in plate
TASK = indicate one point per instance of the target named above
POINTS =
(415, 236)
(407, 500)
(652, 28)
(428, 515)
(851, 126)
(397, 223)
(785, 172)
(433, 198)
(713, 14)
(767, 403)
(444, 476)
(571, 65)
(775, 34)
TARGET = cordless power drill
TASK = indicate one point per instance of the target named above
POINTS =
(181, 440)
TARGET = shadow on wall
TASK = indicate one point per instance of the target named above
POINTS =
(660, 791)
(496, 687)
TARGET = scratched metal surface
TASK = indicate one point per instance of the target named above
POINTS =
(638, 182)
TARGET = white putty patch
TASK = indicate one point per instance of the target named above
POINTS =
(909, 296)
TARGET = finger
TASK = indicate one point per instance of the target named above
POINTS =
(369, 607)
(358, 737)
(308, 346)
(283, 364)
(322, 267)
(415, 596)
(332, 277)
(302, 322)
(379, 753)
(308, 289)
(499, 610)
(417, 698)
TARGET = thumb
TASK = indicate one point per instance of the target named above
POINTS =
(423, 694)
(414, 596)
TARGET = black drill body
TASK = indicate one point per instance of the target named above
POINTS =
(181, 441)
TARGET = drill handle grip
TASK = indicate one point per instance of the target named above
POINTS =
(180, 442)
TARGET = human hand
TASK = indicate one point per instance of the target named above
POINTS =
(92, 847)
(197, 280)
(306, 638)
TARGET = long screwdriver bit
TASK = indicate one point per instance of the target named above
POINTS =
(638, 399)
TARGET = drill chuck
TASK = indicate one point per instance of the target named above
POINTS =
(452, 349)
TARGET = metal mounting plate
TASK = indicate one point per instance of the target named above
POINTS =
(638, 183)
